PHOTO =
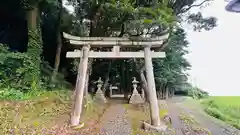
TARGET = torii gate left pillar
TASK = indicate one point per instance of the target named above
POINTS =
(80, 84)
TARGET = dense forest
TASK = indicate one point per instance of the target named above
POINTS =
(33, 50)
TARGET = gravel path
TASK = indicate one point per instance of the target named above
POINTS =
(216, 128)
(114, 121)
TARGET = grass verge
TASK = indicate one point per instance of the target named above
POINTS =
(47, 112)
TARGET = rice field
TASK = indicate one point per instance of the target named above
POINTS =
(225, 108)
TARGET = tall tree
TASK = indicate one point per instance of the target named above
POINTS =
(171, 71)
(59, 40)
(34, 49)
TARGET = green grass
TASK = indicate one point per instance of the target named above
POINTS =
(224, 108)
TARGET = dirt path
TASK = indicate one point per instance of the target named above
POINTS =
(114, 121)
(207, 122)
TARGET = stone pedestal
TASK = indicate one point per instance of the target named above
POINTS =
(99, 96)
(135, 97)
(148, 127)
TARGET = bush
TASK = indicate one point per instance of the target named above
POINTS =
(16, 70)
(59, 81)
(197, 93)
(11, 94)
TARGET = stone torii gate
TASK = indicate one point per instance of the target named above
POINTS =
(85, 43)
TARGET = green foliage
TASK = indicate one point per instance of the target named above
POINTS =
(116, 18)
(16, 94)
(16, 69)
(34, 51)
(197, 93)
(199, 22)
(171, 70)
(46, 76)
(30, 4)
(75, 64)
(11, 94)
(193, 91)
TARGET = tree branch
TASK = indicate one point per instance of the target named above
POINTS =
(194, 5)
(122, 32)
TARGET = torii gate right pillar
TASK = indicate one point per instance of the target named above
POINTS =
(154, 109)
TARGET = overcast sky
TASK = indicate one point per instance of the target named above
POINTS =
(214, 55)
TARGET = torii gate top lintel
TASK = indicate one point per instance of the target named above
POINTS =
(155, 42)
(116, 43)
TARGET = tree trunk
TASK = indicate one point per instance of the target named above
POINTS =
(57, 57)
(167, 93)
(170, 93)
(164, 91)
(107, 78)
(173, 92)
(128, 81)
(143, 79)
(154, 108)
(32, 16)
(122, 85)
(34, 49)
(82, 72)
(144, 84)
(161, 91)
(59, 43)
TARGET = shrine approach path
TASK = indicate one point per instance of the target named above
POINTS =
(114, 120)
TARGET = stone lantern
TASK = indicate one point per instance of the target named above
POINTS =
(135, 83)
(135, 97)
(99, 96)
